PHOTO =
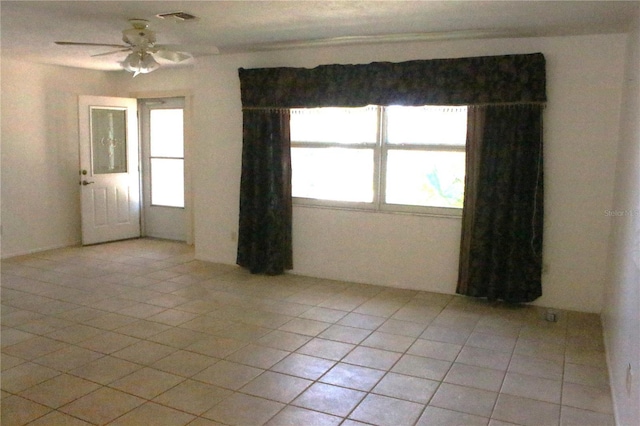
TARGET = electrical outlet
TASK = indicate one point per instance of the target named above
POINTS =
(629, 381)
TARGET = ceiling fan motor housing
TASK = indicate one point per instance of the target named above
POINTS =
(140, 35)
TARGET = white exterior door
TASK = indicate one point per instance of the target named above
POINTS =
(109, 176)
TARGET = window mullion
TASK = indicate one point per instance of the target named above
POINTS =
(381, 158)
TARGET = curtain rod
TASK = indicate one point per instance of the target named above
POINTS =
(283, 109)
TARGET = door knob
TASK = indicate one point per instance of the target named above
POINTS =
(85, 183)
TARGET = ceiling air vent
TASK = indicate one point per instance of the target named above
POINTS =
(179, 16)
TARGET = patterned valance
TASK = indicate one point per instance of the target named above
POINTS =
(461, 81)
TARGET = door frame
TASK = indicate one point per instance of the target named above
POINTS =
(188, 153)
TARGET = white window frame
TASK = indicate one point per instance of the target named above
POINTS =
(380, 153)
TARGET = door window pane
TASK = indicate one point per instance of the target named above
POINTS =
(340, 174)
(166, 132)
(167, 182)
(108, 140)
(425, 178)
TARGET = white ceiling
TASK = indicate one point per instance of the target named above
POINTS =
(29, 28)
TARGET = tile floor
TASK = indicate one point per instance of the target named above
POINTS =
(140, 333)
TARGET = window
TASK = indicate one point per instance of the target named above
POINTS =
(391, 158)
(166, 149)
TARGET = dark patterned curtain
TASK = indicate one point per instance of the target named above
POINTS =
(264, 237)
(265, 202)
(501, 245)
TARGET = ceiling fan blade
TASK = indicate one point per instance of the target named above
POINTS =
(74, 43)
(173, 56)
(110, 53)
(194, 49)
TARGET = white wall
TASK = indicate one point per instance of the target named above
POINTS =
(621, 315)
(40, 196)
(584, 76)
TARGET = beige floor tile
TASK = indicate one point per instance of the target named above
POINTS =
(409, 388)
(258, 356)
(147, 382)
(491, 341)
(132, 314)
(329, 399)
(217, 347)
(353, 376)
(388, 342)
(440, 333)
(102, 406)
(586, 375)
(276, 386)
(193, 397)
(25, 375)
(435, 416)
(345, 334)
(536, 367)
(434, 349)
(305, 366)
(17, 411)
(570, 416)
(243, 409)
(402, 328)
(532, 387)
(475, 377)
(300, 416)
(524, 411)
(385, 411)
(373, 358)
(144, 352)
(540, 349)
(142, 329)
(367, 322)
(153, 414)
(184, 363)
(108, 342)
(68, 358)
(172, 317)
(33, 348)
(283, 340)
(304, 326)
(324, 314)
(468, 400)
(229, 375)
(178, 337)
(427, 368)
(484, 358)
(58, 419)
(59, 390)
(328, 349)
(587, 397)
(105, 370)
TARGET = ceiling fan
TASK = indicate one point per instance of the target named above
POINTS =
(141, 42)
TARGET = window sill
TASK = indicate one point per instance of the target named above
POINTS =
(439, 212)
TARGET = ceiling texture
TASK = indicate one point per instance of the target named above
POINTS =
(28, 29)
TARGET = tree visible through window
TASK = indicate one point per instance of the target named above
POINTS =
(387, 158)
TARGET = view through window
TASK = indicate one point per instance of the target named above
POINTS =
(385, 158)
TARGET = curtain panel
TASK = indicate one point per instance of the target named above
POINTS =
(502, 220)
(460, 81)
(264, 233)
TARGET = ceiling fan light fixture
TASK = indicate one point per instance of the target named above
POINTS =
(140, 63)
